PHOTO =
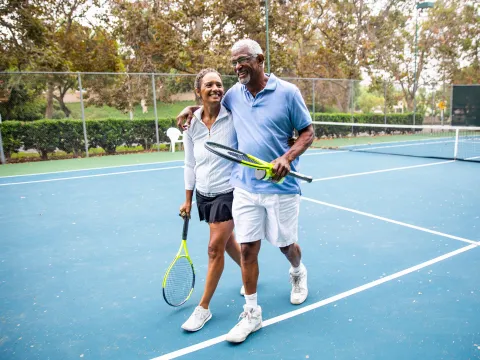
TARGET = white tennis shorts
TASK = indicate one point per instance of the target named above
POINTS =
(266, 216)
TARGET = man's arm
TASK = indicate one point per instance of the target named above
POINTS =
(281, 166)
(185, 117)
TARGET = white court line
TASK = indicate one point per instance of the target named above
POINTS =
(390, 220)
(325, 153)
(384, 170)
(474, 157)
(89, 176)
(288, 315)
(98, 168)
(405, 141)
(395, 146)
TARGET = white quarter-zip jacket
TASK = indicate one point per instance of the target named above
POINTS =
(209, 173)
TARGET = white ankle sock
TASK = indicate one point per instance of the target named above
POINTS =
(297, 270)
(251, 300)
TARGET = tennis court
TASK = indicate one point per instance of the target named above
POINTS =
(391, 244)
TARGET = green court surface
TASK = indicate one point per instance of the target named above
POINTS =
(94, 162)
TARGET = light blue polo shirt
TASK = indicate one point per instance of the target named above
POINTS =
(263, 125)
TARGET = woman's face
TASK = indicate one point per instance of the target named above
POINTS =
(211, 89)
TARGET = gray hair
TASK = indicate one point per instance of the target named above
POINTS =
(198, 79)
(253, 47)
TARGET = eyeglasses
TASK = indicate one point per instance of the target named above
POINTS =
(242, 60)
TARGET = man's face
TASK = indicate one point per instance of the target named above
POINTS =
(247, 66)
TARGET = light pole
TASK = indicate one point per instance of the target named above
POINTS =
(266, 33)
(421, 6)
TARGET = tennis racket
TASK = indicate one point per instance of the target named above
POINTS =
(179, 279)
(263, 169)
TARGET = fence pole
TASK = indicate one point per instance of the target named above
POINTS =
(2, 155)
(313, 99)
(434, 113)
(385, 102)
(155, 110)
(83, 113)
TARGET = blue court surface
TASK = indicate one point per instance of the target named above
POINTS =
(391, 244)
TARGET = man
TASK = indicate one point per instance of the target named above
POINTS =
(266, 111)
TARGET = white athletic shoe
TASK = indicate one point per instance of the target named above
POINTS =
(242, 290)
(299, 286)
(196, 321)
(250, 321)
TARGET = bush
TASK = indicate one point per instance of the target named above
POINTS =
(340, 131)
(43, 136)
(47, 136)
(12, 137)
(71, 137)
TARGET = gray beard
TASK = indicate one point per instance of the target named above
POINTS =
(245, 80)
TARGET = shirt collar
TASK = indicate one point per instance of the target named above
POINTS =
(197, 115)
(271, 83)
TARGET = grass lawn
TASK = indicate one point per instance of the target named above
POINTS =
(164, 110)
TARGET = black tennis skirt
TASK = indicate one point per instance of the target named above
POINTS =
(215, 209)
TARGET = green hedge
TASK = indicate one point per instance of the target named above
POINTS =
(45, 136)
(340, 131)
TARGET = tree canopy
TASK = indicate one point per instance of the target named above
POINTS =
(338, 39)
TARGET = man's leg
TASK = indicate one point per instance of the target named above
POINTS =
(249, 218)
(293, 253)
(282, 231)
(249, 266)
(298, 273)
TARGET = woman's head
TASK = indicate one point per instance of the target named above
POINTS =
(209, 86)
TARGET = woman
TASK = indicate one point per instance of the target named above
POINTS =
(210, 174)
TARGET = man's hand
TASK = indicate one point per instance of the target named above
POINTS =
(281, 168)
(185, 117)
(185, 209)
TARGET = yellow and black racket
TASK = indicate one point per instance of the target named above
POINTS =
(179, 279)
(263, 169)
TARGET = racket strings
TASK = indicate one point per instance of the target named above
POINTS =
(243, 157)
(179, 282)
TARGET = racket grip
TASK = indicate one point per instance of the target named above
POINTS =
(185, 228)
(306, 178)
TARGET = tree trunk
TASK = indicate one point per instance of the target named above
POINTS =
(49, 109)
(64, 107)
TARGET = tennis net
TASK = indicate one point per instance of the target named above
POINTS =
(432, 141)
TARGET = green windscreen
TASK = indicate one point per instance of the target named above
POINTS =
(466, 105)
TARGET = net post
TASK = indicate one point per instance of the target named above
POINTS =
(455, 151)
(83, 113)
(2, 154)
(155, 111)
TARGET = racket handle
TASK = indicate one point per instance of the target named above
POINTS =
(300, 176)
(185, 228)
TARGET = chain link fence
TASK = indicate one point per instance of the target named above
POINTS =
(84, 114)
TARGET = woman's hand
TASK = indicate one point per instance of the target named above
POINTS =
(185, 209)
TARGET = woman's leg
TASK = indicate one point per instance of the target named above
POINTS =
(220, 233)
(233, 249)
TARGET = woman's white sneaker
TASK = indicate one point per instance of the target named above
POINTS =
(250, 321)
(196, 321)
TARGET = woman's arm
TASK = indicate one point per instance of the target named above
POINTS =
(188, 174)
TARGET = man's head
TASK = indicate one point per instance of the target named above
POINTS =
(248, 60)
